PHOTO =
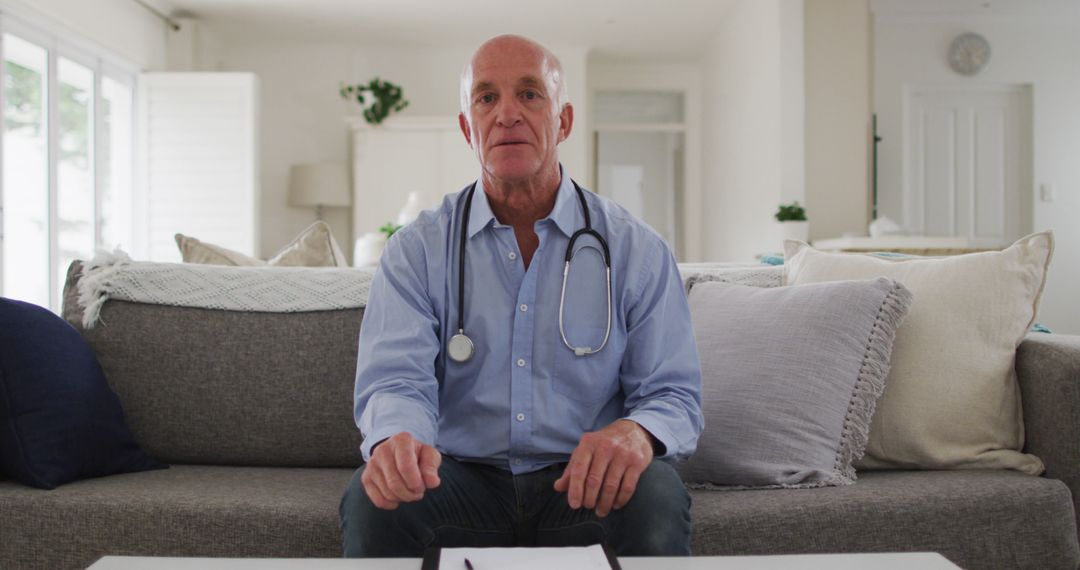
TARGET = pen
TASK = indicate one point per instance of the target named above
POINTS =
(469, 564)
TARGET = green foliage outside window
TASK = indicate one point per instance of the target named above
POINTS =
(25, 105)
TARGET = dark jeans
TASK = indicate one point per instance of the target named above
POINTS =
(478, 505)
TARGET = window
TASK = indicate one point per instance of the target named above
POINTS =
(67, 139)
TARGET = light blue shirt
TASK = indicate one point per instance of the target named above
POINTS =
(524, 399)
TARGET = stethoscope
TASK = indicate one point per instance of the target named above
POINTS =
(461, 347)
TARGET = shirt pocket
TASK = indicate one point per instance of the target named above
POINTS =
(591, 378)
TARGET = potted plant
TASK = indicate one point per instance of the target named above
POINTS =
(793, 222)
(383, 98)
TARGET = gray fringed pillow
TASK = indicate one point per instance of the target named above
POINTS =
(790, 377)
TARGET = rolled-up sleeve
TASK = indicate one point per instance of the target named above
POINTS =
(396, 389)
(661, 371)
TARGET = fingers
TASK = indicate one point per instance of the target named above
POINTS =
(605, 467)
(579, 470)
(596, 479)
(392, 476)
(407, 467)
(612, 484)
(376, 491)
(430, 459)
(563, 482)
(629, 485)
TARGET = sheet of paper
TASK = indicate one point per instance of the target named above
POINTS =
(576, 557)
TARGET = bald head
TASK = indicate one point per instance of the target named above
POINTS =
(512, 46)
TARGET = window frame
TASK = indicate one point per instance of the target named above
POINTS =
(102, 64)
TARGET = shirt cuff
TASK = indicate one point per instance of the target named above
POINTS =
(656, 425)
(390, 414)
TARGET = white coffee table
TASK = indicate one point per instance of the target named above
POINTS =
(891, 561)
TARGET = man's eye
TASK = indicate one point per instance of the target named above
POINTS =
(530, 95)
(486, 98)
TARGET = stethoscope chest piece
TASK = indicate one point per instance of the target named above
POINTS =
(461, 348)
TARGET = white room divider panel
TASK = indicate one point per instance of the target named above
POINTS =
(968, 162)
(198, 162)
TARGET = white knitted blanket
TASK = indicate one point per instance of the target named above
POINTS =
(286, 289)
(262, 289)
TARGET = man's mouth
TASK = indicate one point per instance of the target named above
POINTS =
(510, 142)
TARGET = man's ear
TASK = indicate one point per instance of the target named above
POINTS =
(566, 121)
(464, 124)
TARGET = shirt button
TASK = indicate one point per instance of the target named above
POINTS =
(524, 307)
(517, 462)
(521, 362)
(512, 255)
(521, 417)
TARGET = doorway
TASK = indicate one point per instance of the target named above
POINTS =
(968, 162)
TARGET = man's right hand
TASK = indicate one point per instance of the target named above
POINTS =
(400, 470)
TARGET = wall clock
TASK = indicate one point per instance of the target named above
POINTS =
(969, 53)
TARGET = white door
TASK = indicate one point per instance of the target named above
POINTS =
(199, 162)
(968, 162)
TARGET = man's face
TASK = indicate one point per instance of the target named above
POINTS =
(513, 120)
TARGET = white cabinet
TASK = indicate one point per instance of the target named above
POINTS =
(428, 155)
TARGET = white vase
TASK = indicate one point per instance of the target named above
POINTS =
(796, 230)
(368, 249)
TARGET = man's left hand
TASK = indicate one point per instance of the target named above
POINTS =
(604, 468)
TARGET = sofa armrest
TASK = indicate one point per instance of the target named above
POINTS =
(1048, 369)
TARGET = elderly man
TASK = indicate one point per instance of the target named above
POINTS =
(502, 401)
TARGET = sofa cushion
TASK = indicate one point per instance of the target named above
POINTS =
(979, 519)
(231, 387)
(59, 421)
(790, 376)
(313, 247)
(951, 400)
(184, 511)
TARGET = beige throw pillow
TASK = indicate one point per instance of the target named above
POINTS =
(951, 400)
(314, 247)
(193, 250)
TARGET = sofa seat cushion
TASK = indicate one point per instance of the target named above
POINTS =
(975, 518)
(183, 511)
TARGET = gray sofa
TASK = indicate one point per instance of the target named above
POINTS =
(254, 413)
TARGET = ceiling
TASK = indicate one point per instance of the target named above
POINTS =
(610, 29)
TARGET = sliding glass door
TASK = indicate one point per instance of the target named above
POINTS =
(67, 160)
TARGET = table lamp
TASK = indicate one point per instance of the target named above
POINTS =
(319, 185)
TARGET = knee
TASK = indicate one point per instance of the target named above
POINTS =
(368, 531)
(656, 521)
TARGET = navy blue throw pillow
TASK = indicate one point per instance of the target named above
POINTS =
(59, 420)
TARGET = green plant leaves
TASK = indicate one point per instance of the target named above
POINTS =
(386, 98)
(792, 212)
(390, 227)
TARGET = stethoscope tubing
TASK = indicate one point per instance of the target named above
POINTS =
(461, 342)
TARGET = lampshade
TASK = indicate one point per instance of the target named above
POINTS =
(322, 184)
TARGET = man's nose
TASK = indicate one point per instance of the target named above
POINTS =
(507, 112)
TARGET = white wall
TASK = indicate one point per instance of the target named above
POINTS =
(119, 27)
(753, 127)
(685, 77)
(1040, 50)
(838, 117)
(303, 118)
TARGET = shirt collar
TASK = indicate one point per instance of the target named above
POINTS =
(566, 213)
